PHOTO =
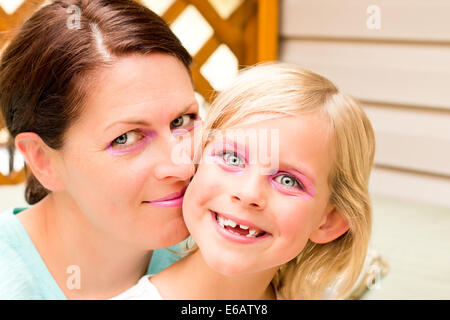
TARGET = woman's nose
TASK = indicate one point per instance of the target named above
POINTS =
(176, 164)
(174, 171)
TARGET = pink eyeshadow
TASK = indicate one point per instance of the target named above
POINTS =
(148, 135)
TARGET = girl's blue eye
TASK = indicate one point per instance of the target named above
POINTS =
(183, 121)
(233, 159)
(288, 181)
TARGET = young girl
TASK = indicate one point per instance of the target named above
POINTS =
(297, 227)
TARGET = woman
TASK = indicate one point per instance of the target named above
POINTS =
(96, 112)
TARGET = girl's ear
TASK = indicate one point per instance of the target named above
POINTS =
(40, 159)
(332, 226)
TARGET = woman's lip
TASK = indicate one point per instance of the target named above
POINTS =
(177, 202)
(171, 200)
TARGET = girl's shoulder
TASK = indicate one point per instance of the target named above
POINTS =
(143, 290)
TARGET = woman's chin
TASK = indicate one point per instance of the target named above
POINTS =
(175, 232)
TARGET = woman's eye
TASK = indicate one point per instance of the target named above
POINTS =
(186, 120)
(233, 159)
(288, 181)
(127, 139)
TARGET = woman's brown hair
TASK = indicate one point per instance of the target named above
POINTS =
(47, 69)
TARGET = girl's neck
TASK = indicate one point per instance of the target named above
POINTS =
(78, 254)
(192, 278)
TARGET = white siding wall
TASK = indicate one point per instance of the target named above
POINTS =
(400, 73)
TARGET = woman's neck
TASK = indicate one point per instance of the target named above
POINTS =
(85, 262)
(192, 278)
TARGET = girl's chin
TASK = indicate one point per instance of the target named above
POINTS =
(226, 267)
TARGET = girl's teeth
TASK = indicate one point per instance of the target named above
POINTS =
(227, 222)
(231, 223)
(251, 234)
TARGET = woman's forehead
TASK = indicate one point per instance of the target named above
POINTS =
(139, 88)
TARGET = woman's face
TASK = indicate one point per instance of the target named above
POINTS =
(245, 219)
(116, 163)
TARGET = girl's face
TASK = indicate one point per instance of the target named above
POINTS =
(246, 221)
(116, 163)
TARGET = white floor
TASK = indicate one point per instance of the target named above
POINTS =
(414, 238)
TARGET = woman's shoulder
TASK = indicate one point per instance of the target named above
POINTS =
(12, 233)
(22, 271)
(14, 280)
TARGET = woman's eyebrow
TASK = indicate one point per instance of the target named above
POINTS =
(186, 109)
(128, 121)
(141, 122)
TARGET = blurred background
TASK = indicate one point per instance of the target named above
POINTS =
(392, 55)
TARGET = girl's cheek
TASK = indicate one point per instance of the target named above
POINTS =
(199, 191)
(294, 224)
(208, 179)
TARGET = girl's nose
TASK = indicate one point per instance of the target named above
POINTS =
(250, 194)
(249, 201)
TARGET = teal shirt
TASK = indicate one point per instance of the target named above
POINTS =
(23, 273)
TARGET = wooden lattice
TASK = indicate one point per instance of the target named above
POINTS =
(250, 32)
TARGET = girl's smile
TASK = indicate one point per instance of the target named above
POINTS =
(237, 230)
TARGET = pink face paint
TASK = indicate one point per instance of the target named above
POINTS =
(308, 192)
(183, 131)
(220, 148)
(148, 135)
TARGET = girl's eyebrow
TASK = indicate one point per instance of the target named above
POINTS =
(229, 143)
(304, 171)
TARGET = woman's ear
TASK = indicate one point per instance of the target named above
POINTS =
(40, 159)
(332, 226)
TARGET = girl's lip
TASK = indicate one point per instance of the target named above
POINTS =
(171, 200)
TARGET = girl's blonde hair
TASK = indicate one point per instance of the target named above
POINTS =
(277, 89)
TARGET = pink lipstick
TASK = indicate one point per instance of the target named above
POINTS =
(171, 200)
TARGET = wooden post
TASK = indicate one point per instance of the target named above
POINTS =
(267, 30)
